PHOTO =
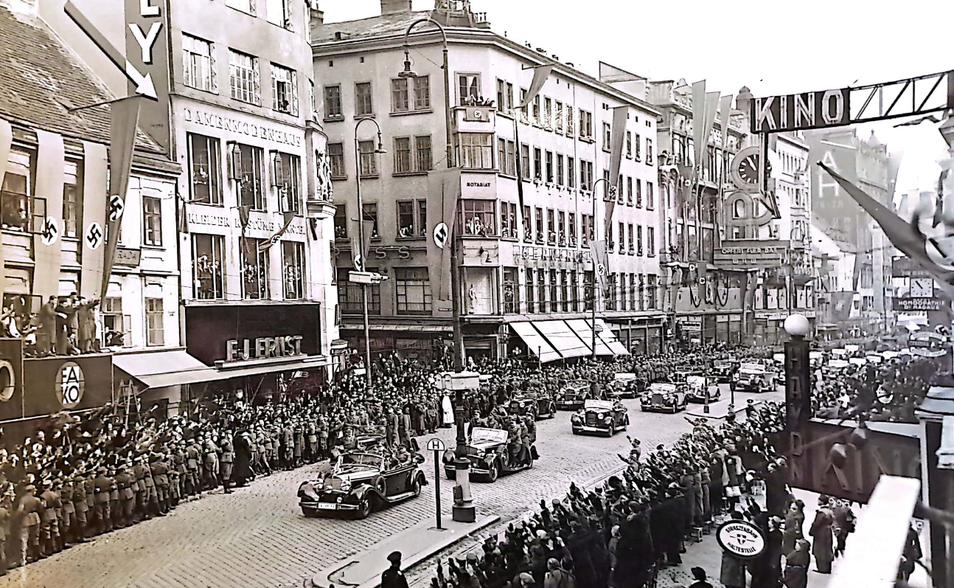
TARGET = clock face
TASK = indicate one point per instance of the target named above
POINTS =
(922, 287)
(749, 169)
(745, 169)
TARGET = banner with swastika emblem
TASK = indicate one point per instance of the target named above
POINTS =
(443, 192)
(124, 118)
(50, 174)
(94, 219)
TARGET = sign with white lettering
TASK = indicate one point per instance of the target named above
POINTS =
(478, 186)
(263, 348)
(807, 110)
(242, 127)
(905, 267)
(265, 223)
(70, 385)
(741, 539)
(916, 304)
(751, 254)
(147, 52)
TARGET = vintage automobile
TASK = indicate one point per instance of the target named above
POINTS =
(701, 386)
(724, 369)
(624, 385)
(360, 482)
(663, 398)
(681, 373)
(491, 454)
(600, 416)
(572, 395)
(755, 377)
(539, 406)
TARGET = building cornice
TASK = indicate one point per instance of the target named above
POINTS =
(466, 36)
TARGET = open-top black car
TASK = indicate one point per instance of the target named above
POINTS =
(702, 389)
(664, 398)
(539, 406)
(491, 453)
(724, 369)
(572, 395)
(361, 481)
(600, 416)
(624, 385)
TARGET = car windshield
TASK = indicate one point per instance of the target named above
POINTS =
(662, 388)
(598, 404)
(482, 436)
(696, 381)
(358, 461)
(752, 367)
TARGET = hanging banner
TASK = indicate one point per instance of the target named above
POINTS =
(600, 265)
(287, 221)
(93, 242)
(124, 116)
(698, 121)
(357, 259)
(617, 134)
(540, 76)
(442, 196)
(6, 139)
(49, 187)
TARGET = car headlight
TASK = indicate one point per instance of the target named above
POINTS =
(600, 415)
(608, 420)
(576, 419)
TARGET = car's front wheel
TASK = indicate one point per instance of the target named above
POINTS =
(364, 507)
(416, 486)
(493, 473)
(611, 431)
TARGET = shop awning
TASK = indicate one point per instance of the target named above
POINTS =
(562, 338)
(585, 333)
(610, 339)
(535, 342)
(160, 369)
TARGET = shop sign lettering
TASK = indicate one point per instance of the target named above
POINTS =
(263, 348)
(217, 121)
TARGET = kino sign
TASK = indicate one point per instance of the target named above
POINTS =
(845, 106)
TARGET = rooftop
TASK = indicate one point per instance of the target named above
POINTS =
(375, 26)
(40, 79)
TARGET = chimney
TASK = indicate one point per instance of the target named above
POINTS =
(395, 6)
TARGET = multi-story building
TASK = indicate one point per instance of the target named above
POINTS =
(524, 243)
(54, 200)
(834, 263)
(235, 85)
(864, 163)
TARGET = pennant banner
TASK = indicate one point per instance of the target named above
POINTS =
(244, 215)
(935, 255)
(540, 75)
(600, 264)
(368, 226)
(49, 187)
(287, 221)
(725, 117)
(124, 118)
(698, 120)
(617, 134)
(6, 139)
(93, 241)
(442, 196)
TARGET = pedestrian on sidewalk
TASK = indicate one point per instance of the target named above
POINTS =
(796, 566)
(393, 577)
(822, 536)
(699, 575)
(794, 520)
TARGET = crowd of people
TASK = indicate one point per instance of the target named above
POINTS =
(62, 325)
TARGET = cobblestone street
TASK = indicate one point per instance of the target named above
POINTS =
(257, 537)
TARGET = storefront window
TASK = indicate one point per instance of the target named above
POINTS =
(573, 288)
(554, 291)
(511, 291)
(208, 259)
(293, 269)
(531, 298)
(413, 290)
(254, 269)
(350, 299)
(564, 286)
(341, 221)
(248, 171)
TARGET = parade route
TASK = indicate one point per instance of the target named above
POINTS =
(257, 537)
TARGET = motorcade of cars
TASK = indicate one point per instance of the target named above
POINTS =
(698, 388)
(754, 377)
(492, 453)
(571, 396)
(600, 416)
(361, 481)
(663, 397)
(724, 369)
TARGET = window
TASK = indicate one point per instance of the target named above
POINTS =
(536, 110)
(255, 285)
(554, 291)
(115, 323)
(559, 169)
(524, 112)
(651, 294)
(412, 219)
(502, 154)
(350, 296)
(284, 90)
(248, 173)
(549, 168)
(370, 214)
(561, 228)
(336, 160)
(508, 220)
(425, 161)
(154, 318)
(197, 64)
(573, 287)
(208, 261)
(548, 113)
(333, 103)
(478, 218)
(622, 238)
(293, 269)
(537, 164)
(151, 221)
(400, 100)
(402, 155)
(629, 144)
(286, 178)
(607, 136)
(525, 162)
(558, 118)
(368, 159)
(586, 125)
(637, 155)
(538, 222)
(551, 228)
(509, 97)
(569, 120)
(527, 228)
(468, 88)
(640, 292)
(650, 196)
(531, 291)
(246, 6)
(72, 198)
(275, 12)
(413, 290)
(421, 92)
(649, 151)
(244, 78)
(570, 173)
(629, 191)
(363, 105)
(204, 175)
(589, 290)
(651, 241)
(476, 150)
(571, 230)
(639, 240)
(619, 190)
(504, 96)
(511, 292)
(639, 193)
(509, 166)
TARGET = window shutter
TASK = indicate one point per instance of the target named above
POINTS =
(186, 60)
(294, 93)
(278, 170)
(235, 155)
(256, 83)
(274, 90)
(213, 72)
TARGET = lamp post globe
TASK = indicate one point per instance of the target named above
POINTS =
(797, 325)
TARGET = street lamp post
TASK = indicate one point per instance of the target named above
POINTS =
(595, 264)
(463, 505)
(361, 252)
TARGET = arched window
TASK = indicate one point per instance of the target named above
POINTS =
(738, 209)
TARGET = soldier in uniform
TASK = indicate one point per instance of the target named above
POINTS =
(173, 474)
(211, 463)
(159, 473)
(80, 505)
(115, 511)
(127, 496)
(5, 506)
(311, 437)
(68, 511)
(49, 519)
(151, 501)
(192, 466)
(393, 577)
(288, 446)
(101, 486)
(299, 442)
(228, 458)
(29, 511)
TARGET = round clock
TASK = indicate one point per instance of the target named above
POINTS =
(745, 169)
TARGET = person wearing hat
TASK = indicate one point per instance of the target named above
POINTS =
(50, 519)
(821, 534)
(101, 504)
(80, 505)
(228, 458)
(699, 575)
(127, 497)
(28, 512)
(393, 577)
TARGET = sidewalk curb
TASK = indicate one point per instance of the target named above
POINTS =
(322, 579)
